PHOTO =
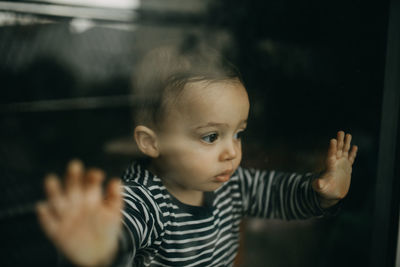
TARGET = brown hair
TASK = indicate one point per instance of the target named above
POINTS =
(164, 72)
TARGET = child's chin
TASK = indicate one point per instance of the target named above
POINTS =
(214, 186)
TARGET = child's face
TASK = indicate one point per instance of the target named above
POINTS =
(199, 141)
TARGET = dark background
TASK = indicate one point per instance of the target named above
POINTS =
(311, 68)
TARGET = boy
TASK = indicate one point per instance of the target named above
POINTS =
(184, 203)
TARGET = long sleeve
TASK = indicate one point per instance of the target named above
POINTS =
(142, 225)
(278, 195)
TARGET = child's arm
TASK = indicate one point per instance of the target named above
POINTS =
(81, 223)
(334, 183)
(284, 195)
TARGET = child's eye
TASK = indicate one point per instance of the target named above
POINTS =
(210, 138)
(238, 135)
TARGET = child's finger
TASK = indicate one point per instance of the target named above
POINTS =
(54, 194)
(114, 194)
(93, 184)
(331, 156)
(73, 176)
(46, 219)
(340, 137)
(346, 148)
(332, 148)
(52, 187)
(353, 154)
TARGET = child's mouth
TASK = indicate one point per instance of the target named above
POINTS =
(223, 177)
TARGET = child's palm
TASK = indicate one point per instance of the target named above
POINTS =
(334, 184)
(82, 224)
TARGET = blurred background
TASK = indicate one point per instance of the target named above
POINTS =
(311, 68)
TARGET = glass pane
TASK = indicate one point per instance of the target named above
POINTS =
(310, 69)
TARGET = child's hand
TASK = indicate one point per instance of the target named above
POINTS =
(82, 224)
(334, 183)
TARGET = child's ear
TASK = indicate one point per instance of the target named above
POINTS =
(146, 140)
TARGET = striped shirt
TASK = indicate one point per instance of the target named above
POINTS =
(162, 231)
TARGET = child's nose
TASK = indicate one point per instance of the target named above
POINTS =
(229, 152)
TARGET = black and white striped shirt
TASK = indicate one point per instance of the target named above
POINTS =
(162, 231)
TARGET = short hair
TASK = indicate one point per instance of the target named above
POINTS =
(165, 70)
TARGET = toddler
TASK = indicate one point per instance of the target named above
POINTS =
(183, 204)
